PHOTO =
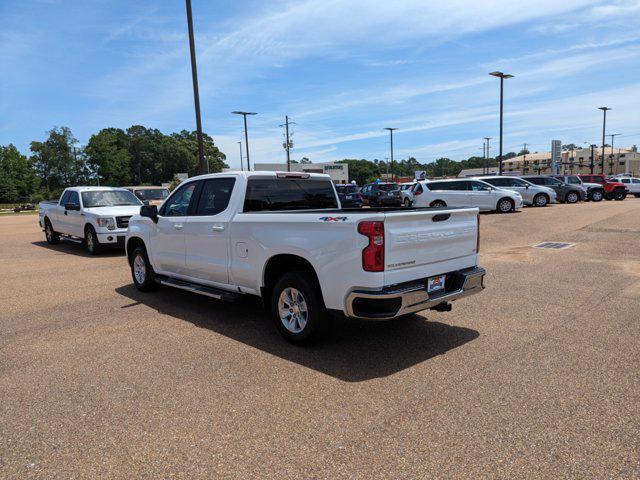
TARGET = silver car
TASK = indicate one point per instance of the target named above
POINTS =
(535, 195)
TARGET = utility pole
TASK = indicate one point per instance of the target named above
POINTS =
(391, 141)
(288, 144)
(240, 145)
(501, 76)
(591, 165)
(196, 95)
(524, 155)
(604, 127)
(612, 135)
(484, 157)
(486, 163)
(246, 135)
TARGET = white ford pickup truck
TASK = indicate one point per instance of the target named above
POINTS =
(285, 238)
(97, 216)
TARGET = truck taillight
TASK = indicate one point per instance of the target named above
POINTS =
(478, 236)
(373, 254)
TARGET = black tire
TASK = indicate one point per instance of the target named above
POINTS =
(501, 206)
(619, 195)
(307, 318)
(142, 271)
(407, 202)
(572, 197)
(596, 195)
(53, 237)
(637, 195)
(91, 241)
(438, 204)
(540, 200)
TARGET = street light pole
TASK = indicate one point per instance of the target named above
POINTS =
(240, 145)
(246, 135)
(486, 163)
(612, 135)
(604, 127)
(502, 77)
(196, 96)
(391, 141)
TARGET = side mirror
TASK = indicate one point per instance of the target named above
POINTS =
(527, 186)
(71, 206)
(145, 202)
(149, 211)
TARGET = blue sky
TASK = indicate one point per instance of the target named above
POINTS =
(342, 69)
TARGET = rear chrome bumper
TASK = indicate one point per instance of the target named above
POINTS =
(399, 300)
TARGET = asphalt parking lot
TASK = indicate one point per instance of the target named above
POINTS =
(535, 377)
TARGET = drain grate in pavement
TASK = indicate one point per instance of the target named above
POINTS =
(554, 245)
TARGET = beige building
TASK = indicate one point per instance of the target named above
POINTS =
(617, 161)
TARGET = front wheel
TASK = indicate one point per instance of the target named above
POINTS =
(297, 308)
(407, 202)
(505, 205)
(572, 197)
(53, 237)
(142, 271)
(619, 195)
(91, 241)
(540, 200)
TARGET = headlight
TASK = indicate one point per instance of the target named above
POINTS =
(107, 222)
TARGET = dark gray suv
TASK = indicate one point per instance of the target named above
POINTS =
(565, 192)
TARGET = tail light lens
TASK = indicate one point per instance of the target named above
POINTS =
(373, 254)
(478, 236)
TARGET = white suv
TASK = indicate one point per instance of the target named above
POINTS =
(633, 184)
(465, 193)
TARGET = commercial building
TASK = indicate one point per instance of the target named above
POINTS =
(617, 161)
(339, 172)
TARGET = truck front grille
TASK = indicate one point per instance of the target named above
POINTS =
(123, 222)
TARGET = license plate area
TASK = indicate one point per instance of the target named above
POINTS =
(436, 284)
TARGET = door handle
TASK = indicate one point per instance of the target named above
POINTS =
(217, 228)
(177, 226)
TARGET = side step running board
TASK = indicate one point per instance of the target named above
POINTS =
(72, 239)
(201, 289)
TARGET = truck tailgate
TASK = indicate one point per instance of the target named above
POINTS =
(426, 242)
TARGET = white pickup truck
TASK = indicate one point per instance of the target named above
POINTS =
(96, 216)
(285, 238)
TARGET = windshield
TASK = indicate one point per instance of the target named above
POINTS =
(152, 193)
(109, 198)
(387, 187)
(347, 188)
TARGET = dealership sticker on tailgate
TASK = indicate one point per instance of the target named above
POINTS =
(435, 284)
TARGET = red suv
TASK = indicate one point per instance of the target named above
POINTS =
(612, 190)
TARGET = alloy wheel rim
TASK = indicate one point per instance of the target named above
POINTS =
(542, 201)
(505, 205)
(572, 198)
(139, 269)
(47, 232)
(90, 241)
(596, 196)
(293, 310)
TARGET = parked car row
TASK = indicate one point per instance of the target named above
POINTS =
(282, 237)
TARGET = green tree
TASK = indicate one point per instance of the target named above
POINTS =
(362, 171)
(58, 161)
(18, 180)
(108, 157)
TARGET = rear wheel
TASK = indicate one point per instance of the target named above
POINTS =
(142, 271)
(637, 195)
(596, 196)
(297, 308)
(619, 195)
(53, 237)
(91, 241)
(505, 205)
(540, 200)
(438, 204)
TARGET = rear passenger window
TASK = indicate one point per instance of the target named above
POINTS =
(270, 194)
(463, 186)
(215, 196)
